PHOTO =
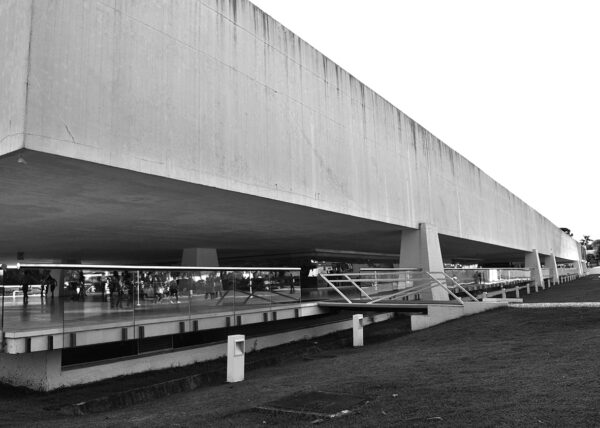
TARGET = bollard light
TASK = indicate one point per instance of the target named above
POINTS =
(357, 330)
(236, 351)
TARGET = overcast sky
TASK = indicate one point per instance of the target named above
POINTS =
(514, 86)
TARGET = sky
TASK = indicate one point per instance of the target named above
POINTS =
(513, 86)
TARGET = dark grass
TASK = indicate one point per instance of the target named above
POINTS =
(508, 367)
(582, 290)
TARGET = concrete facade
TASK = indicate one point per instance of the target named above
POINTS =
(15, 30)
(218, 94)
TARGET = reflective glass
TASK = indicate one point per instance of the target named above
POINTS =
(90, 298)
(26, 304)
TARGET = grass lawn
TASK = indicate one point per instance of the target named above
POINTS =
(508, 367)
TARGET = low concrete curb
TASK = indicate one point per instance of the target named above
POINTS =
(555, 305)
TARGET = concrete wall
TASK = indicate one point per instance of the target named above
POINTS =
(37, 370)
(216, 92)
(15, 26)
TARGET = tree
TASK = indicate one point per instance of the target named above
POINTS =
(567, 231)
(586, 242)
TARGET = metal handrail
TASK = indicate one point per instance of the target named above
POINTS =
(371, 280)
(464, 290)
(358, 288)
(151, 268)
(444, 286)
(336, 289)
(430, 280)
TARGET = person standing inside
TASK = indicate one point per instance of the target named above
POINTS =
(174, 290)
(218, 285)
(113, 288)
(24, 279)
(210, 286)
(50, 284)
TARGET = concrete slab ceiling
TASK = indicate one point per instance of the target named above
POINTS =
(55, 208)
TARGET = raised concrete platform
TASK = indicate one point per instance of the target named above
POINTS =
(44, 371)
(415, 306)
(32, 353)
(25, 334)
(438, 314)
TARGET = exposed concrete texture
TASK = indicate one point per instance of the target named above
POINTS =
(550, 263)
(37, 370)
(218, 93)
(200, 257)
(438, 314)
(42, 370)
(15, 29)
(421, 249)
(532, 261)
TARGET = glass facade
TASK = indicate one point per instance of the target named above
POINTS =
(56, 299)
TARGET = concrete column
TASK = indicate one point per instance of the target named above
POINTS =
(200, 257)
(421, 249)
(532, 261)
(550, 263)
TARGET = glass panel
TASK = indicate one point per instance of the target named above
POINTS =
(284, 287)
(80, 302)
(212, 292)
(91, 298)
(162, 294)
(25, 302)
(252, 290)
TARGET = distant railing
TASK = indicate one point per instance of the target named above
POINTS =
(489, 276)
(546, 273)
(567, 271)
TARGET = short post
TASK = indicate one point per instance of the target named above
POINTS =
(483, 296)
(357, 330)
(517, 292)
(528, 289)
(236, 350)
(503, 293)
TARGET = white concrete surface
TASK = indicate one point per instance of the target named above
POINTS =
(421, 249)
(42, 370)
(236, 357)
(199, 257)
(438, 314)
(550, 263)
(217, 93)
(15, 27)
(357, 330)
(532, 261)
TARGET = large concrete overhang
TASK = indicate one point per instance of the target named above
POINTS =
(60, 208)
(57, 208)
(223, 130)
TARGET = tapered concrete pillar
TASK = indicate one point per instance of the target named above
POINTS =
(200, 257)
(532, 261)
(421, 249)
(550, 263)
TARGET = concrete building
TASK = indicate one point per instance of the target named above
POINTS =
(204, 132)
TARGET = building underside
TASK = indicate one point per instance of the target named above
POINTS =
(60, 209)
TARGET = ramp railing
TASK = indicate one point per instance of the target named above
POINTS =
(374, 286)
